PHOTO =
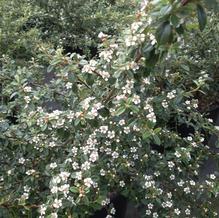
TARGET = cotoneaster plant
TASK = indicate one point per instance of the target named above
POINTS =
(115, 128)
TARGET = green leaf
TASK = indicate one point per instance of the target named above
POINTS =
(134, 108)
(86, 200)
(146, 135)
(76, 122)
(75, 88)
(185, 67)
(43, 127)
(152, 57)
(202, 17)
(157, 130)
(164, 33)
(174, 21)
(147, 50)
(50, 68)
(157, 140)
(166, 10)
(120, 111)
(74, 190)
(90, 79)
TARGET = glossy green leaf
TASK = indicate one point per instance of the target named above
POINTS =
(164, 33)
(202, 17)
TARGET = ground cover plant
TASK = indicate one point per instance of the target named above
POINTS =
(112, 124)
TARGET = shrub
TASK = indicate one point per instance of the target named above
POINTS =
(76, 24)
(72, 24)
(116, 129)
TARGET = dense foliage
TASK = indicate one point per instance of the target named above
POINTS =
(74, 130)
(73, 25)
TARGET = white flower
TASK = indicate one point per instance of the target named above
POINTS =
(150, 206)
(122, 122)
(122, 183)
(152, 117)
(85, 165)
(153, 39)
(111, 134)
(21, 160)
(42, 209)
(54, 189)
(25, 196)
(132, 65)
(187, 211)
(169, 204)
(64, 176)
(187, 190)
(146, 81)
(149, 184)
(171, 164)
(127, 130)
(105, 75)
(148, 212)
(217, 128)
(53, 165)
(172, 177)
(113, 211)
(189, 138)
(171, 95)
(136, 99)
(212, 176)
(27, 99)
(78, 175)
(93, 156)
(64, 188)
(101, 35)
(89, 68)
(88, 182)
(106, 55)
(54, 215)
(74, 150)
(30, 172)
(164, 104)
(177, 154)
(57, 203)
(115, 155)
(68, 85)
(192, 182)
(155, 215)
(102, 172)
(135, 26)
(169, 195)
(75, 165)
(104, 129)
(56, 180)
(181, 183)
(27, 89)
(130, 41)
(177, 211)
